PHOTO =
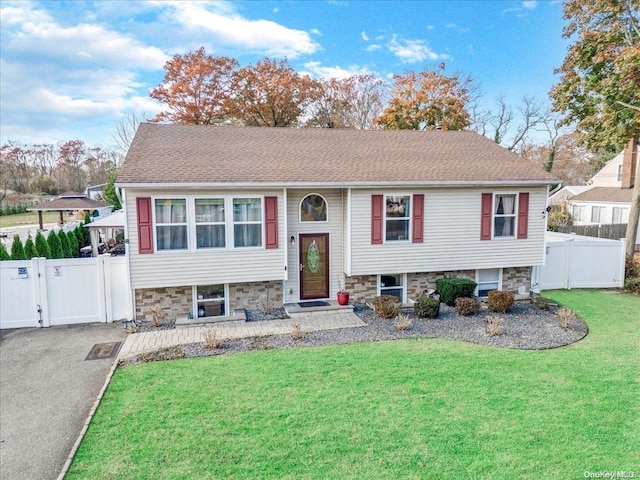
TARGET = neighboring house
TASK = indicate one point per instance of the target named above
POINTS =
(608, 199)
(219, 217)
(560, 197)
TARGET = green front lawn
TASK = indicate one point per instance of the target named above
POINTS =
(402, 409)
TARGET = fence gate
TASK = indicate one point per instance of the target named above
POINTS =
(41, 293)
(580, 262)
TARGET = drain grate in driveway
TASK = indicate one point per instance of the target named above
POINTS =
(101, 351)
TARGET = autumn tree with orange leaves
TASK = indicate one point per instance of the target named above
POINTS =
(428, 100)
(271, 94)
(196, 88)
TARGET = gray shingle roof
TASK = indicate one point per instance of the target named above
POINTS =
(605, 194)
(199, 154)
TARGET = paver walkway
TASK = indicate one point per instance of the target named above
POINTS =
(138, 343)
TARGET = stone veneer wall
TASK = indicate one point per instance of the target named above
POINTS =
(366, 286)
(516, 277)
(253, 295)
(176, 301)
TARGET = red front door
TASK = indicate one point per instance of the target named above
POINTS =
(314, 265)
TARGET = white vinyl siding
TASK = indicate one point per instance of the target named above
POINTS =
(452, 242)
(208, 266)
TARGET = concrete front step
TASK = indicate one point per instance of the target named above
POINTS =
(238, 317)
(295, 310)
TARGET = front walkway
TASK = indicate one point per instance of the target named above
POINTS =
(138, 343)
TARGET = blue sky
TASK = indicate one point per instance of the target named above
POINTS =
(73, 70)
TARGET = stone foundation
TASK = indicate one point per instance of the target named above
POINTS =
(175, 301)
(362, 287)
(178, 301)
(256, 295)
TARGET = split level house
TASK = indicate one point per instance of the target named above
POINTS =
(224, 218)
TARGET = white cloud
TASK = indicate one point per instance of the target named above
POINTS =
(530, 4)
(315, 31)
(319, 71)
(231, 29)
(373, 47)
(457, 28)
(413, 51)
(364, 36)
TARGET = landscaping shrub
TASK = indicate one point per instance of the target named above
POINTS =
(211, 340)
(64, 244)
(631, 267)
(633, 286)
(500, 301)
(73, 244)
(30, 248)
(296, 332)
(540, 302)
(42, 247)
(17, 249)
(54, 245)
(157, 316)
(4, 255)
(566, 317)
(387, 306)
(452, 288)
(467, 306)
(402, 323)
(493, 325)
(427, 307)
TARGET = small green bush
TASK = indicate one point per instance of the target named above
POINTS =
(64, 244)
(30, 248)
(426, 307)
(452, 288)
(540, 302)
(17, 249)
(4, 255)
(42, 247)
(466, 306)
(500, 301)
(387, 306)
(73, 244)
(633, 286)
(53, 240)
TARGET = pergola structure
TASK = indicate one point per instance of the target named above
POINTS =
(66, 203)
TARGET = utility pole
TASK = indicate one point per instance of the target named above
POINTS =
(634, 210)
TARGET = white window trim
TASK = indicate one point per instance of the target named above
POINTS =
(384, 223)
(194, 301)
(404, 285)
(312, 221)
(156, 225)
(192, 246)
(515, 216)
(500, 270)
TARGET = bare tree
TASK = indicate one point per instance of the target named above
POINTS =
(126, 129)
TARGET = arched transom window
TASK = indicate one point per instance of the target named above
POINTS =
(313, 208)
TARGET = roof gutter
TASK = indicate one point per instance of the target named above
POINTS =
(364, 184)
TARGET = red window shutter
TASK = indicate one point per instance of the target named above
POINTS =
(485, 219)
(145, 226)
(418, 218)
(376, 219)
(523, 215)
(271, 214)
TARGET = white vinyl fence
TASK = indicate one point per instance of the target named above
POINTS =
(41, 292)
(573, 261)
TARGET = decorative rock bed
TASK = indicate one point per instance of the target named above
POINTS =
(524, 327)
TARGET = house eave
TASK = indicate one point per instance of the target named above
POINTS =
(355, 185)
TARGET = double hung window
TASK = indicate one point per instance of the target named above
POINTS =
(171, 223)
(210, 223)
(397, 216)
(487, 280)
(620, 215)
(392, 284)
(504, 217)
(597, 214)
(210, 300)
(247, 222)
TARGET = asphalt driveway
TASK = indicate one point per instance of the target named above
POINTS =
(47, 389)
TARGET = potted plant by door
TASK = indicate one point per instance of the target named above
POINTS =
(343, 296)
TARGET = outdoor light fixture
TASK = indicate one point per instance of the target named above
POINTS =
(292, 240)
